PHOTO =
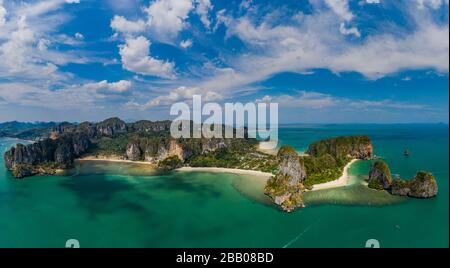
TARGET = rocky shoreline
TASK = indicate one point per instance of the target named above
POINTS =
(142, 141)
(422, 185)
(325, 162)
(323, 157)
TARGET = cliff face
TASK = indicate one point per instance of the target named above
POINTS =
(63, 128)
(359, 147)
(400, 187)
(26, 160)
(140, 141)
(380, 176)
(289, 165)
(111, 127)
(153, 153)
(286, 187)
(133, 152)
(149, 126)
(423, 185)
(209, 145)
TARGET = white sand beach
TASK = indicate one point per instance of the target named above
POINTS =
(342, 181)
(261, 174)
(112, 159)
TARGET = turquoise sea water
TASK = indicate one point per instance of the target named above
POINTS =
(121, 205)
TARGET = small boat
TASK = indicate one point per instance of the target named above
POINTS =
(406, 152)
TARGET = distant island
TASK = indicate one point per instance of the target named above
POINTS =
(56, 146)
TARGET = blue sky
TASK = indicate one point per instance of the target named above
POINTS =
(323, 61)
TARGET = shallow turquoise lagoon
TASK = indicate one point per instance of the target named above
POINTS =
(123, 205)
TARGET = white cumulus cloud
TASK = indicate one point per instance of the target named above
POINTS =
(202, 9)
(341, 8)
(3, 13)
(119, 86)
(121, 24)
(186, 43)
(136, 58)
(182, 93)
(317, 100)
(434, 4)
(166, 18)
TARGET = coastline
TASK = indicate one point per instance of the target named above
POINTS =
(112, 159)
(261, 174)
(342, 181)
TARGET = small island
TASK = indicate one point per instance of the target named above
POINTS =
(325, 164)
(423, 185)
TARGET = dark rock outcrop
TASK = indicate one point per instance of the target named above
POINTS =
(24, 170)
(63, 128)
(286, 187)
(400, 187)
(380, 176)
(289, 164)
(48, 154)
(423, 185)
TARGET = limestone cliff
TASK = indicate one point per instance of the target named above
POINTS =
(133, 152)
(149, 126)
(286, 187)
(359, 147)
(380, 176)
(111, 127)
(423, 185)
(289, 165)
(154, 152)
(45, 156)
(139, 141)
